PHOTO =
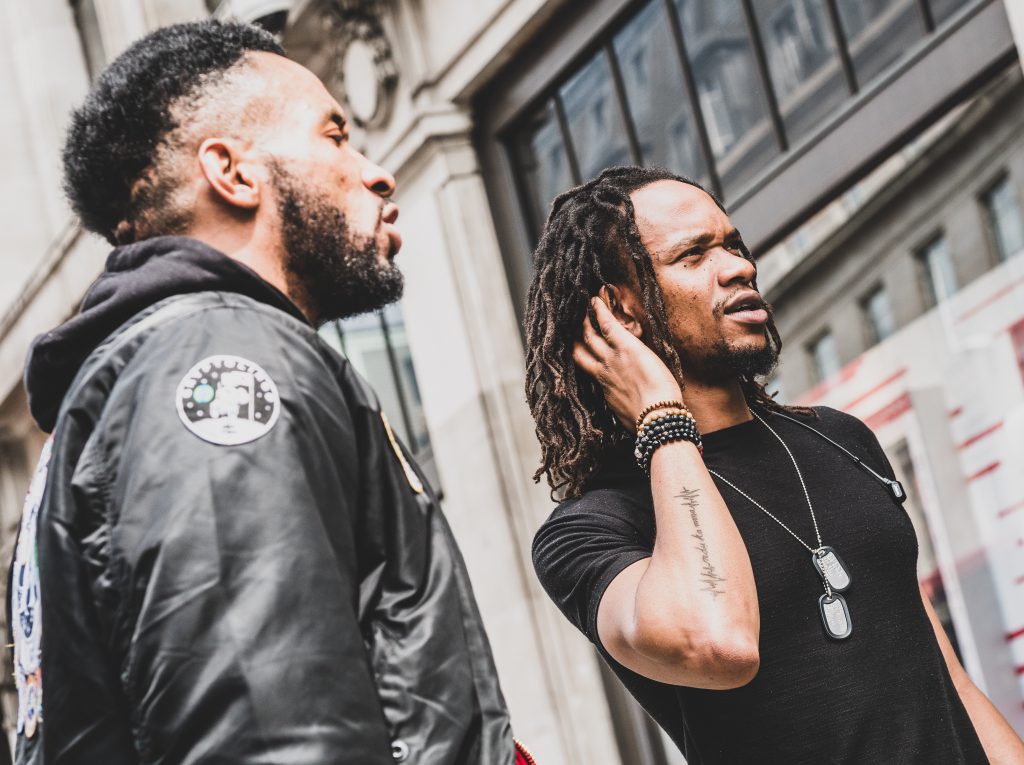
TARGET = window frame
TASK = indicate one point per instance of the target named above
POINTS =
(1003, 175)
(872, 336)
(817, 378)
(926, 284)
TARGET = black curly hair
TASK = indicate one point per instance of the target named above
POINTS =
(115, 155)
(590, 240)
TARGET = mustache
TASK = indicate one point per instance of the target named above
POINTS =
(718, 309)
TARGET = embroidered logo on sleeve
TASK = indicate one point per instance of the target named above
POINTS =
(228, 400)
(25, 606)
(410, 475)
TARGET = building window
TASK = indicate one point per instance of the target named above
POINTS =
(712, 90)
(878, 32)
(376, 345)
(803, 61)
(1004, 219)
(935, 266)
(824, 357)
(878, 315)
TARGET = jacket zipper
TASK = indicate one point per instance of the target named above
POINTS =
(524, 751)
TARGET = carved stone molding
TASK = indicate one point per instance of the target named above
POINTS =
(363, 64)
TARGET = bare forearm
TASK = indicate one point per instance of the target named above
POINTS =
(699, 579)
(1002, 744)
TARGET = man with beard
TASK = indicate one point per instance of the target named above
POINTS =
(226, 555)
(759, 598)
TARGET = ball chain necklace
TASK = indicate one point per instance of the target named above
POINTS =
(835, 614)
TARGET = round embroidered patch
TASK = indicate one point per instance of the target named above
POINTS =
(228, 400)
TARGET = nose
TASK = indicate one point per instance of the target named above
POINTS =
(735, 268)
(378, 180)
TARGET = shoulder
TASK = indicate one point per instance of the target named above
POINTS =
(836, 423)
(599, 519)
(626, 505)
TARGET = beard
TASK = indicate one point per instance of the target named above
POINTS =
(331, 271)
(717, 360)
(721, 361)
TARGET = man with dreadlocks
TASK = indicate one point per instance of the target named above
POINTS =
(759, 598)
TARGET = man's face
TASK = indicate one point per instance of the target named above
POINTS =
(716, 319)
(336, 222)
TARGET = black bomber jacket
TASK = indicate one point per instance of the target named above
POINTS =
(226, 555)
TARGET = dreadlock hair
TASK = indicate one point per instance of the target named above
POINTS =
(591, 240)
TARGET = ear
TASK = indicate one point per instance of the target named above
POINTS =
(625, 307)
(229, 176)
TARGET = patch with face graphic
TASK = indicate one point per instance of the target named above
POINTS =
(228, 400)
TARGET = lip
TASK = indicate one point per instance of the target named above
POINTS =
(751, 316)
(394, 238)
(388, 217)
(756, 314)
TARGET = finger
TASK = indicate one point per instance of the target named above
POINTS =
(585, 360)
(592, 337)
(610, 327)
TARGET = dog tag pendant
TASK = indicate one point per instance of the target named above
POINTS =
(835, 616)
(831, 569)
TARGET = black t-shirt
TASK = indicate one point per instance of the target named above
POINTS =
(883, 695)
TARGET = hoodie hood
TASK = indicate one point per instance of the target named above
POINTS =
(135, 277)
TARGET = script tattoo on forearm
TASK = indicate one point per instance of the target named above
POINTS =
(708, 576)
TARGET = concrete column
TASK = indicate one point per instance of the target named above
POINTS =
(470, 367)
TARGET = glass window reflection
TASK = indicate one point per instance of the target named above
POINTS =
(1004, 219)
(658, 103)
(881, 321)
(595, 121)
(936, 265)
(802, 61)
(825, 357)
(540, 157)
(878, 32)
(731, 97)
(377, 346)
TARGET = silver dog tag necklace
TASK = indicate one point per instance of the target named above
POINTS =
(835, 614)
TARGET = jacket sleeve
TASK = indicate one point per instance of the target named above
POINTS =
(236, 563)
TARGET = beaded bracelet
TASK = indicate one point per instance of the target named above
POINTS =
(658, 414)
(669, 428)
(654, 407)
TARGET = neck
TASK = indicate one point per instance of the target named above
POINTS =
(716, 405)
(253, 249)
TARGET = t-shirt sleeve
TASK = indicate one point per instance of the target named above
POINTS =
(583, 546)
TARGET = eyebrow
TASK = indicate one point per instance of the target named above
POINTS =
(701, 240)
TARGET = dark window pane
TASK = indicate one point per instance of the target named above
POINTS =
(419, 438)
(595, 120)
(538, 155)
(936, 267)
(943, 9)
(878, 313)
(802, 60)
(730, 92)
(653, 80)
(1004, 219)
(878, 32)
(825, 357)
